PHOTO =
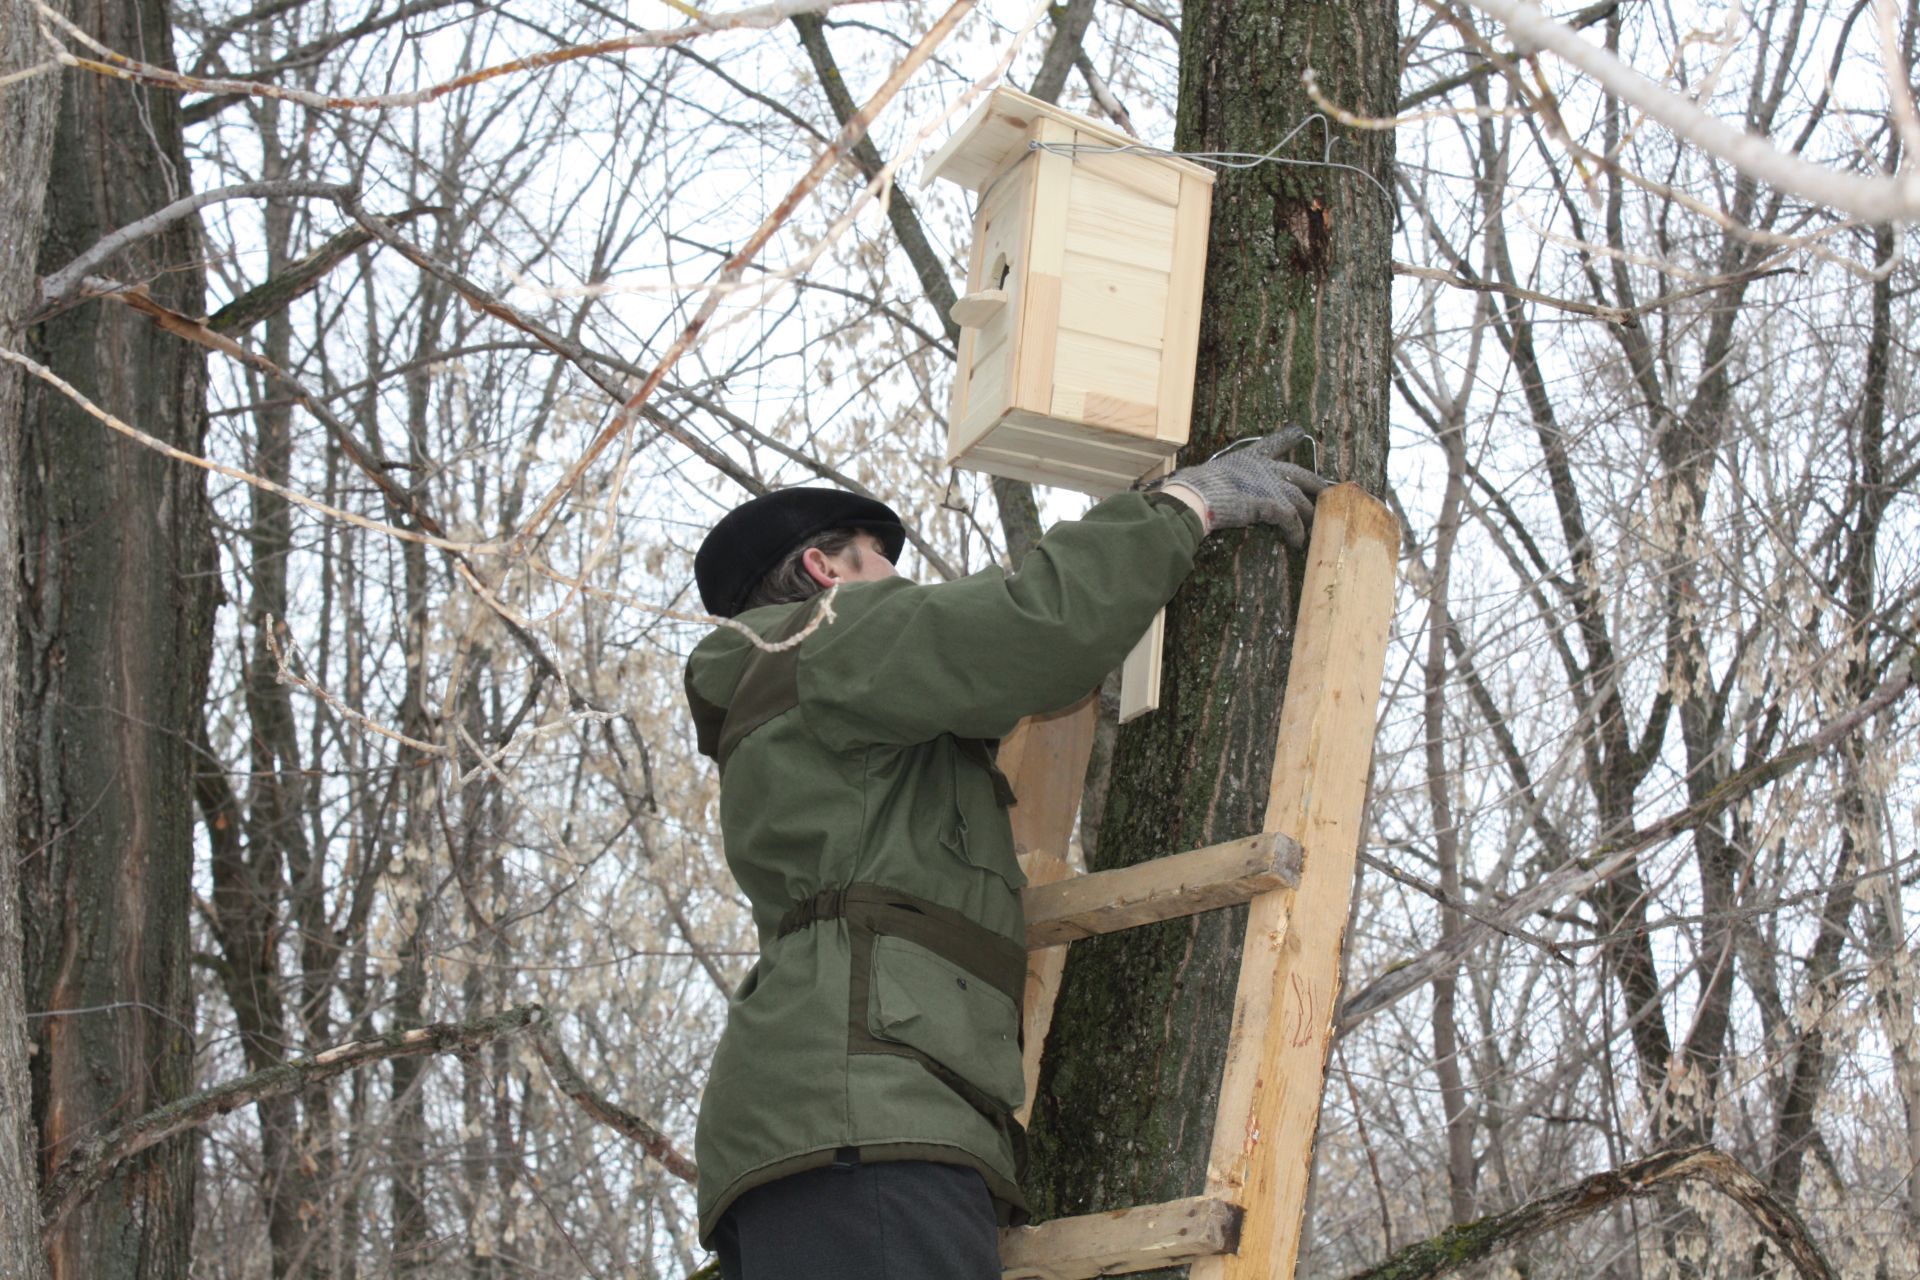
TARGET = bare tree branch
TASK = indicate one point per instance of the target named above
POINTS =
(87, 1168)
(1070, 23)
(1893, 198)
(55, 287)
(120, 67)
(1609, 858)
(279, 292)
(1454, 1249)
(570, 1082)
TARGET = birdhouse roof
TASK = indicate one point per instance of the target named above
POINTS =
(999, 129)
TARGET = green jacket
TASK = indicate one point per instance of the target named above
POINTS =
(864, 819)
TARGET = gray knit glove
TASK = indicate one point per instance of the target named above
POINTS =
(1252, 485)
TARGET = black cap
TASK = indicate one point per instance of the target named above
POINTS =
(752, 539)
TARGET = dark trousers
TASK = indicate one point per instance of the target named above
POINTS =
(896, 1220)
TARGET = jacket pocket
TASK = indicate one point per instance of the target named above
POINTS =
(954, 1017)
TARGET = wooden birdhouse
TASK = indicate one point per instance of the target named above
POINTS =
(1082, 311)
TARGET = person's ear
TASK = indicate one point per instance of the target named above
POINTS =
(819, 568)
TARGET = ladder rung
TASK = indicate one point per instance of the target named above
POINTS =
(1105, 1244)
(1181, 884)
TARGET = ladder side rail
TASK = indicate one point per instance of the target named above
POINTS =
(1262, 1154)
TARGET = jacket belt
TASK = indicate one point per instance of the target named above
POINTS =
(874, 908)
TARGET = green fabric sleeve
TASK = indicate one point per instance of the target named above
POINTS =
(907, 663)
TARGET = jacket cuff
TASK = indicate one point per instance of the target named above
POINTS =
(1159, 498)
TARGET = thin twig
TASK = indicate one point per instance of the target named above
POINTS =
(28, 73)
(1466, 908)
(134, 433)
(1606, 861)
(38, 370)
(1612, 315)
(270, 627)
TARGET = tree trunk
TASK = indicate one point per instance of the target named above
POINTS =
(27, 113)
(117, 590)
(1295, 328)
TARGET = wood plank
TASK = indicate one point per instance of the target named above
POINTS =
(1138, 171)
(986, 399)
(992, 137)
(994, 455)
(1046, 257)
(1180, 884)
(1009, 192)
(1052, 193)
(1123, 370)
(958, 401)
(1107, 1244)
(1106, 219)
(1045, 758)
(988, 348)
(1123, 415)
(1113, 299)
(1290, 966)
(1140, 672)
(1036, 346)
(1021, 466)
(1180, 331)
(979, 384)
(1035, 447)
(1071, 442)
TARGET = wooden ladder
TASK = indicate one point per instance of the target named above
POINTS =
(1297, 876)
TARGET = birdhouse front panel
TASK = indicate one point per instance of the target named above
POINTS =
(1081, 319)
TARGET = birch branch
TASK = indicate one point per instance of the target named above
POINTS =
(1460, 1246)
(1891, 198)
(88, 1167)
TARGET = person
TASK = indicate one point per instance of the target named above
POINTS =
(858, 1120)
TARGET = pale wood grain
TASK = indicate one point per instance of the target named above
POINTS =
(1092, 242)
(1290, 966)
(1140, 673)
(974, 310)
(1181, 326)
(1165, 888)
(1106, 1244)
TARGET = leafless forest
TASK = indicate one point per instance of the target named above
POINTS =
(1642, 868)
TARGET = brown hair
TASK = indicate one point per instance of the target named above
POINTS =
(789, 580)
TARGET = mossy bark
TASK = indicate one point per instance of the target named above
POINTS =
(1295, 328)
(115, 627)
